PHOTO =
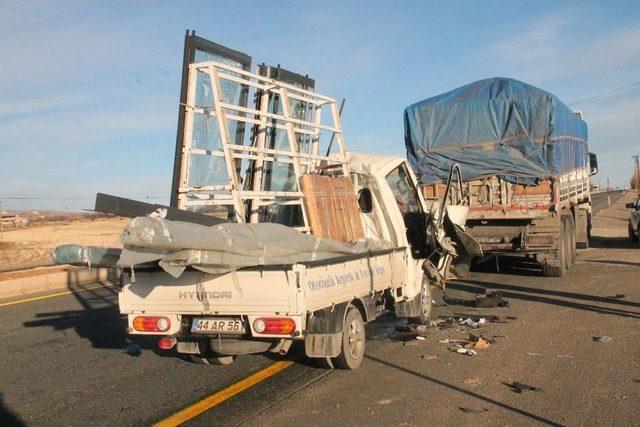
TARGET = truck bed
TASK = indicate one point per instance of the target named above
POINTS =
(281, 290)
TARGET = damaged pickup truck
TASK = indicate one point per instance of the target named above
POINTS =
(276, 235)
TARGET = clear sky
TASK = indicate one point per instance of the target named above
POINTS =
(89, 90)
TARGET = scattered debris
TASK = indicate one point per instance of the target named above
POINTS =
(480, 344)
(133, 349)
(564, 356)
(384, 401)
(452, 341)
(603, 338)
(518, 387)
(488, 300)
(473, 381)
(409, 332)
(467, 351)
(533, 354)
(470, 322)
(429, 357)
(472, 410)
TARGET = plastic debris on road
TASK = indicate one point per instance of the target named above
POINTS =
(603, 338)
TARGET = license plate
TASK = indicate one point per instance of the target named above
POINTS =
(218, 326)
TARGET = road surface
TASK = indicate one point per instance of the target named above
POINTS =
(64, 360)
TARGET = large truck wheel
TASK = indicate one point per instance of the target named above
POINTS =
(559, 267)
(353, 340)
(571, 238)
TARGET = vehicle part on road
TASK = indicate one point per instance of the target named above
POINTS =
(353, 341)
(488, 300)
(133, 349)
(212, 360)
(518, 387)
(604, 338)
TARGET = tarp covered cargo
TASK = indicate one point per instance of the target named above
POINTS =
(496, 126)
(90, 256)
(176, 245)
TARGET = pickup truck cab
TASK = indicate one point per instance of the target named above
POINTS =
(214, 318)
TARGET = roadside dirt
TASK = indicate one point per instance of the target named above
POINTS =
(546, 338)
(31, 247)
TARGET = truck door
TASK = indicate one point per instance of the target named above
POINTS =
(406, 196)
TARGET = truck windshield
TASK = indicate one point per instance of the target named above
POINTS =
(407, 199)
(403, 191)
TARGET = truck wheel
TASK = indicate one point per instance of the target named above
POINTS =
(353, 339)
(215, 360)
(425, 302)
(560, 266)
(571, 236)
(632, 234)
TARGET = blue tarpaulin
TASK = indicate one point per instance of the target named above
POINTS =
(496, 126)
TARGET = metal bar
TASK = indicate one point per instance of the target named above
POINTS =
(129, 208)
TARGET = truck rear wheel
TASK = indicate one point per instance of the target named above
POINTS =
(571, 239)
(560, 265)
(353, 340)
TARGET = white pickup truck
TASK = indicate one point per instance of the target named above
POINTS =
(326, 303)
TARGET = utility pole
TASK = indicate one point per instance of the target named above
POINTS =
(636, 171)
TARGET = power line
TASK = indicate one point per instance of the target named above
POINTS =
(73, 198)
(605, 93)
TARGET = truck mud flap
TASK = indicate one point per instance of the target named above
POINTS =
(323, 345)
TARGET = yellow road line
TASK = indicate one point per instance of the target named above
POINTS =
(224, 394)
(59, 294)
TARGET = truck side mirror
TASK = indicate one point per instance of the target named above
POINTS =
(365, 200)
(593, 164)
(630, 205)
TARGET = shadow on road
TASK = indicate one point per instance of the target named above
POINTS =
(537, 295)
(7, 418)
(612, 243)
(508, 264)
(465, 392)
(99, 320)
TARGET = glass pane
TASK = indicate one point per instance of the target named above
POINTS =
(403, 191)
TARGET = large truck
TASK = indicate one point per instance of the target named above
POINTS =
(525, 163)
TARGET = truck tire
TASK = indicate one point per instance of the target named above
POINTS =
(632, 234)
(571, 237)
(353, 341)
(426, 302)
(560, 266)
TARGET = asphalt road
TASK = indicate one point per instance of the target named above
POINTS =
(64, 360)
(601, 200)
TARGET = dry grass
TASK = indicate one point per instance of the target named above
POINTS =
(31, 246)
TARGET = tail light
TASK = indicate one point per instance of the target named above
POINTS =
(167, 343)
(274, 325)
(151, 324)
